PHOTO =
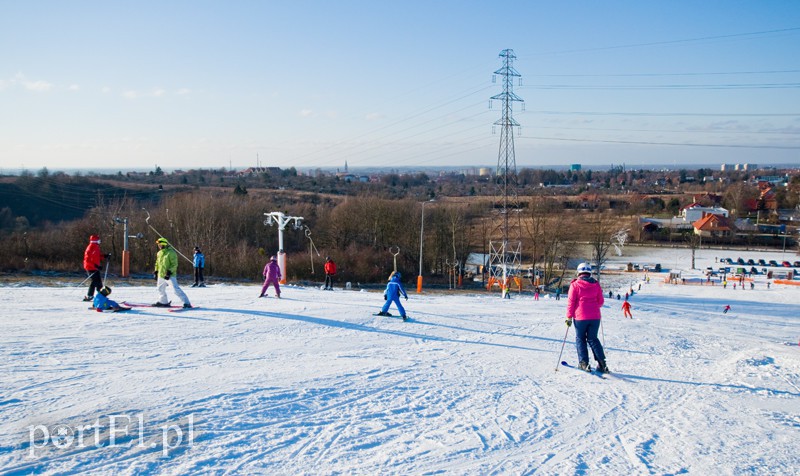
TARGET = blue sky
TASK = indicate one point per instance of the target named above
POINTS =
(201, 84)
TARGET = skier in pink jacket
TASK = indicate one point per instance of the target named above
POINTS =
(584, 300)
(272, 275)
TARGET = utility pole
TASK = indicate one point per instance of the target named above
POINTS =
(505, 258)
(126, 255)
(282, 220)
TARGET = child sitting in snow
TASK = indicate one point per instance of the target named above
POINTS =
(102, 303)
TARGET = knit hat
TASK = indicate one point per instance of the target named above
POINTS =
(94, 239)
(105, 290)
(162, 241)
(274, 258)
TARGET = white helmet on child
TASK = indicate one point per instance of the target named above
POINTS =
(584, 268)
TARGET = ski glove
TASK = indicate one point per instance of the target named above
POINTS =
(169, 275)
(384, 297)
(155, 275)
(568, 322)
(406, 298)
(108, 255)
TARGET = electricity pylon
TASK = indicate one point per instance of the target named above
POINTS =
(506, 245)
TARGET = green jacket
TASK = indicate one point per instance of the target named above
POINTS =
(166, 260)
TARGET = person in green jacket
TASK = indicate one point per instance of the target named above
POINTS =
(165, 274)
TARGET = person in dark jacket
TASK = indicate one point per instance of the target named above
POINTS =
(92, 259)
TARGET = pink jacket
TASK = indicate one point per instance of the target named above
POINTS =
(272, 271)
(584, 299)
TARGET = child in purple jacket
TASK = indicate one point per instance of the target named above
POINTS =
(272, 275)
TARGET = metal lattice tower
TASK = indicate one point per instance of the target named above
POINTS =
(505, 258)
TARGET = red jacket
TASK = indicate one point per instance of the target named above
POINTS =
(92, 256)
(330, 267)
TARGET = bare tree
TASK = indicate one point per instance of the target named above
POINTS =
(737, 196)
(600, 234)
(694, 241)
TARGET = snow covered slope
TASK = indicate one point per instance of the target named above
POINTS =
(314, 383)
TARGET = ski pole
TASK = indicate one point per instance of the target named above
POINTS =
(602, 333)
(562, 348)
(106, 273)
(81, 283)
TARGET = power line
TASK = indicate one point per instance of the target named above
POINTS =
(665, 114)
(636, 75)
(678, 144)
(674, 42)
(669, 86)
(680, 131)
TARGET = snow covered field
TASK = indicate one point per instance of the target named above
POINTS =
(315, 384)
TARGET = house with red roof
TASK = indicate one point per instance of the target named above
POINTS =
(712, 226)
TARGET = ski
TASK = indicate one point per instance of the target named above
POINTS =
(134, 304)
(592, 372)
(388, 314)
(119, 309)
(181, 309)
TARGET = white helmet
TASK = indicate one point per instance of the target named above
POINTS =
(584, 268)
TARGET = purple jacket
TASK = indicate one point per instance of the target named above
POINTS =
(272, 271)
(584, 299)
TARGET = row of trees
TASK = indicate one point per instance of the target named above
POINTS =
(418, 185)
(360, 233)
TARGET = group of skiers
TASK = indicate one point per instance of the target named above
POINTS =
(165, 274)
(584, 298)
(166, 270)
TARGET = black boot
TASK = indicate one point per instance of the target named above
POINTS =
(602, 367)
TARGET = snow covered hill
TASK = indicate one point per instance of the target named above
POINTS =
(314, 383)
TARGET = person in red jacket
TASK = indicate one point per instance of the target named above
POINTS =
(330, 270)
(92, 258)
(626, 309)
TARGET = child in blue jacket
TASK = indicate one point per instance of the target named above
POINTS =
(392, 295)
(102, 303)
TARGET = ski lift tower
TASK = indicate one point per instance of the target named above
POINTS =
(126, 255)
(505, 253)
(282, 220)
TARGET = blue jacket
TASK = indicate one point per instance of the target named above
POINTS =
(395, 288)
(199, 260)
(101, 302)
